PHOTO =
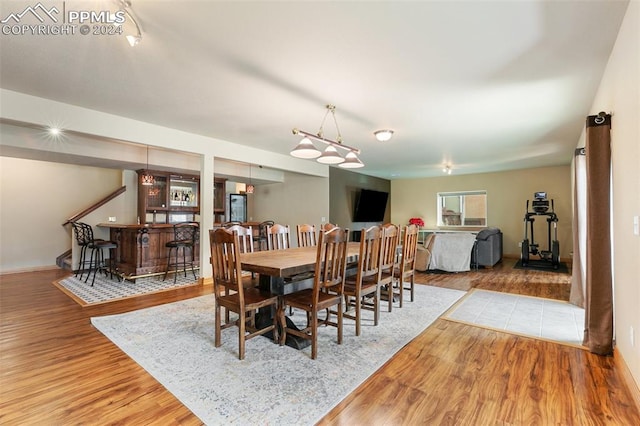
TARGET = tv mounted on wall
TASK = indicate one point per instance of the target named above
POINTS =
(370, 206)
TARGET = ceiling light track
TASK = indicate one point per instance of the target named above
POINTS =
(133, 39)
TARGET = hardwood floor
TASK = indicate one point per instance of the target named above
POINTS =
(57, 369)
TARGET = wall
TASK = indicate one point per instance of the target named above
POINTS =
(507, 194)
(619, 94)
(38, 196)
(299, 199)
(345, 186)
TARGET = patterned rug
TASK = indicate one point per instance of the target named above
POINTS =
(273, 385)
(108, 290)
(545, 319)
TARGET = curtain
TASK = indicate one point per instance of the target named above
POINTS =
(598, 335)
(579, 225)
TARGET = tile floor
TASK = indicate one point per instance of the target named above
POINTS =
(543, 318)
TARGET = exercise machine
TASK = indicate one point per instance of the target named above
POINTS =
(540, 206)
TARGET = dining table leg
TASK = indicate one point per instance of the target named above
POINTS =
(264, 317)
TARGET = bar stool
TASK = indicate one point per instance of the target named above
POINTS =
(184, 237)
(84, 236)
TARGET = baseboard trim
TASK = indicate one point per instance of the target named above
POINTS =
(31, 269)
(628, 378)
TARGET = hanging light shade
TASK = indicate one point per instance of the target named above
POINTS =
(351, 161)
(249, 188)
(330, 156)
(305, 149)
(147, 178)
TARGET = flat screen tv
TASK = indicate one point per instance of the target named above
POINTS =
(370, 206)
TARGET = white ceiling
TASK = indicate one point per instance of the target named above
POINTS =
(482, 85)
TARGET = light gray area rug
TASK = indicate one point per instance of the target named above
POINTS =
(274, 384)
(106, 289)
(537, 317)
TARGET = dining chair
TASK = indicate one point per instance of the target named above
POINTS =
(278, 237)
(390, 238)
(245, 237)
(231, 294)
(328, 226)
(405, 270)
(362, 291)
(185, 235)
(327, 291)
(306, 235)
(230, 224)
(262, 234)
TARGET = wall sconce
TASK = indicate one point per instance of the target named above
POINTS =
(446, 169)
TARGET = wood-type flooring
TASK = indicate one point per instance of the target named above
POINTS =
(56, 368)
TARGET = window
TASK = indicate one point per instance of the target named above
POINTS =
(466, 208)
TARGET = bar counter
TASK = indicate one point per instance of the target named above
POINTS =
(141, 248)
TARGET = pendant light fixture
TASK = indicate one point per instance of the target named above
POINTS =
(147, 178)
(250, 188)
(331, 155)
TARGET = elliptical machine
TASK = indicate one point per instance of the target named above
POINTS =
(540, 206)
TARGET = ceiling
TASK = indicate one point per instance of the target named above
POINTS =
(480, 85)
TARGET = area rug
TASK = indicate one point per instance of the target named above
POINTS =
(108, 290)
(545, 319)
(273, 385)
(542, 265)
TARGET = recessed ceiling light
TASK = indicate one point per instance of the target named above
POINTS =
(54, 131)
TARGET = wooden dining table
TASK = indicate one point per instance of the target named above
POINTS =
(282, 271)
(285, 271)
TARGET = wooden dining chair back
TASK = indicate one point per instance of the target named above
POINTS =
(327, 291)
(230, 293)
(278, 237)
(245, 237)
(389, 256)
(262, 234)
(328, 226)
(405, 271)
(362, 291)
(230, 224)
(306, 235)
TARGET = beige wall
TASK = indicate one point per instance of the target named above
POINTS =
(619, 94)
(36, 197)
(507, 194)
(299, 199)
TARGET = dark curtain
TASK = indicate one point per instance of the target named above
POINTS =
(598, 335)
